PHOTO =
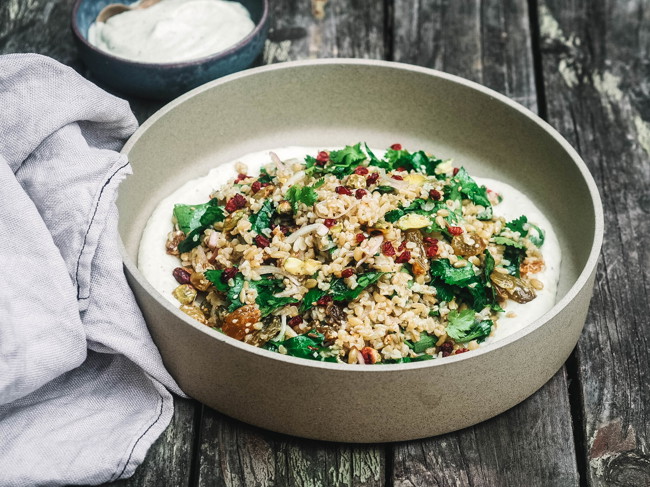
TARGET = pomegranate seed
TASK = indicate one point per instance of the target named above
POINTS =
(402, 246)
(228, 274)
(401, 168)
(323, 157)
(404, 257)
(372, 178)
(262, 241)
(284, 229)
(361, 171)
(181, 275)
(343, 190)
(396, 146)
(324, 301)
(435, 195)
(430, 240)
(456, 170)
(329, 222)
(455, 230)
(398, 177)
(241, 177)
(387, 249)
(347, 272)
(461, 350)
(432, 251)
(235, 203)
(295, 321)
(360, 193)
(256, 186)
(360, 237)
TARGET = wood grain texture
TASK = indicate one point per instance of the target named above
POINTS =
(233, 453)
(531, 444)
(350, 28)
(597, 80)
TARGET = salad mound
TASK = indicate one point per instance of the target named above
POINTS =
(355, 257)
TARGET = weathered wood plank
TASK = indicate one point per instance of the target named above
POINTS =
(232, 453)
(597, 80)
(348, 29)
(531, 444)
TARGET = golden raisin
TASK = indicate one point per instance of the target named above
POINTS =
(194, 312)
(238, 323)
(199, 281)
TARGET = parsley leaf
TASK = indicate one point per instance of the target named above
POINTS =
(341, 162)
(472, 191)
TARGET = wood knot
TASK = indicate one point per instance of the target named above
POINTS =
(628, 469)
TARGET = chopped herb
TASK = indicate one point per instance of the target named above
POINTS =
(425, 341)
(385, 189)
(339, 290)
(309, 346)
(538, 239)
(189, 217)
(508, 241)
(517, 225)
(472, 191)
(262, 219)
(458, 276)
(191, 240)
(301, 194)
(463, 327)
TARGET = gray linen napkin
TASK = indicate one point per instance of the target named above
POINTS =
(82, 386)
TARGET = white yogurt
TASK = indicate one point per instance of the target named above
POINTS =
(173, 30)
(157, 265)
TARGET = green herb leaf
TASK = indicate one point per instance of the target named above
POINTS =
(233, 292)
(215, 278)
(538, 238)
(393, 215)
(517, 225)
(341, 292)
(461, 276)
(319, 183)
(266, 299)
(425, 341)
(189, 216)
(301, 194)
(309, 299)
(309, 346)
(463, 327)
(212, 215)
(384, 189)
(262, 219)
(472, 191)
(192, 240)
(508, 241)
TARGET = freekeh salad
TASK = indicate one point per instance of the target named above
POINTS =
(354, 256)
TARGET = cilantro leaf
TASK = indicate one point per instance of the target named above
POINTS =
(417, 161)
(215, 278)
(262, 219)
(517, 225)
(463, 327)
(385, 189)
(301, 194)
(191, 240)
(515, 256)
(341, 162)
(508, 241)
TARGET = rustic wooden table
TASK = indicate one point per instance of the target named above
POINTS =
(583, 65)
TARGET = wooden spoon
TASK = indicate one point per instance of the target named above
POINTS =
(117, 8)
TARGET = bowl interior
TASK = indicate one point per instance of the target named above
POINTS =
(337, 103)
(87, 10)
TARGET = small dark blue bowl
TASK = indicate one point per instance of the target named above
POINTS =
(168, 80)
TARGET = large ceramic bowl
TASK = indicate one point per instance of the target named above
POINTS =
(168, 80)
(333, 103)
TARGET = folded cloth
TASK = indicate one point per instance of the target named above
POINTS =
(82, 386)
